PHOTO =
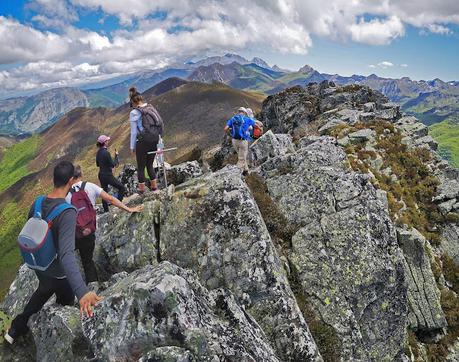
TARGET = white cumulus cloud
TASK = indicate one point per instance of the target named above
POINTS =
(161, 32)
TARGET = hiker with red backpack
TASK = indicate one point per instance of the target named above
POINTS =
(83, 196)
(47, 245)
(146, 129)
(240, 127)
(257, 131)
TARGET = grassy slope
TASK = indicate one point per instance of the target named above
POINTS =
(446, 133)
(15, 159)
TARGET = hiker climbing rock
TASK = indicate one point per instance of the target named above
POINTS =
(146, 128)
(83, 196)
(106, 164)
(239, 127)
(47, 244)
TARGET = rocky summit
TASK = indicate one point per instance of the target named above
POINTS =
(341, 244)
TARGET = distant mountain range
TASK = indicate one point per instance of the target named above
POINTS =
(431, 101)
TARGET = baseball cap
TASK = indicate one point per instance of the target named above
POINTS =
(103, 138)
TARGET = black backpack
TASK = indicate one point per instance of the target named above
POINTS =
(152, 122)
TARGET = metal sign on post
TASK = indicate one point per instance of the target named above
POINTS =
(160, 157)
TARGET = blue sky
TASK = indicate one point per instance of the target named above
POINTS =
(49, 43)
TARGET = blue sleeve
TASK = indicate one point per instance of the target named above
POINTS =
(134, 117)
(230, 123)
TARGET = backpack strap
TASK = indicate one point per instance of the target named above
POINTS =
(137, 123)
(37, 211)
(57, 211)
(83, 185)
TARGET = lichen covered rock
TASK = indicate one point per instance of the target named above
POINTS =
(183, 172)
(126, 242)
(164, 311)
(426, 314)
(227, 244)
(270, 145)
(345, 256)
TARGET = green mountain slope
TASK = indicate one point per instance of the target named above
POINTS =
(446, 133)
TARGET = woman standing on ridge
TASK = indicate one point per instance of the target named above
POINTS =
(106, 164)
(146, 128)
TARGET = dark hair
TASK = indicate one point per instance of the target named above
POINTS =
(134, 96)
(77, 173)
(63, 172)
(98, 144)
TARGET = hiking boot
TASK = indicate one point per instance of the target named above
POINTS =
(154, 185)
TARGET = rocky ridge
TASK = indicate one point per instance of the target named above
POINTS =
(311, 257)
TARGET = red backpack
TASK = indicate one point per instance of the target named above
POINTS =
(86, 215)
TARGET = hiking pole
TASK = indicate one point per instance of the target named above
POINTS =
(161, 159)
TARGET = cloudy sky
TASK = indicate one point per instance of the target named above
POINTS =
(50, 43)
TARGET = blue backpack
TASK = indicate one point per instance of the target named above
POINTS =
(36, 240)
(237, 129)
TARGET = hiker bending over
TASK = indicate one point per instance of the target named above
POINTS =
(83, 196)
(240, 127)
(47, 244)
(106, 164)
(146, 127)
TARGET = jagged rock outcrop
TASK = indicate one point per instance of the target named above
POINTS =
(344, 254)
(270, 145)
(126, 242)
(128, 177)
(288, 110)
(228, 245)
(426, 315)
(175, 317)
(20, 291)
(183, 172)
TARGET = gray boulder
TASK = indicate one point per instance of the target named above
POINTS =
(330, 125)
(270, 145)
(427, 142)
(362, 136)
(58, 335)
(345, 256)
(126, 242)
(20, 291)
(389, 111)
(450, 241)
(128, 177)
(349, 116)
(181, 173)
(426, 314)
(227, 244)
(411, 127)
(164, 311)
(369, 107)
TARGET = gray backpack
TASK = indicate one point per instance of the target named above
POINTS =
(152, 122)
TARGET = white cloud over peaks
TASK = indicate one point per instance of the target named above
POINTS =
(377, 32)
(20, 43)
(189, 28)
